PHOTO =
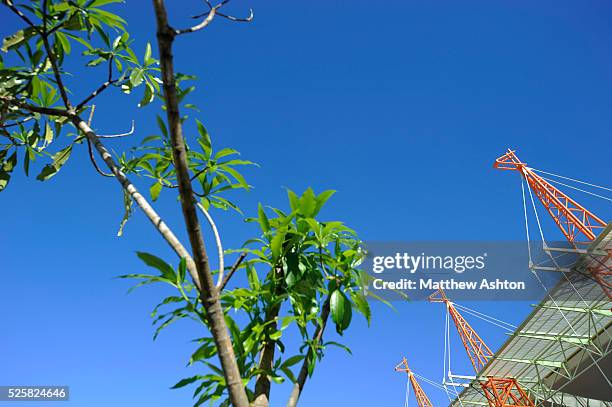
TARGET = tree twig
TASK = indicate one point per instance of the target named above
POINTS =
(213, 226)
(101, 88)
(209, 17)
(129, 133)
(37, 109)
(15, 10)
(17, 123)
(93, 160)
(232, 271)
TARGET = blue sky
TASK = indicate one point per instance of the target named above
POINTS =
(401, 107)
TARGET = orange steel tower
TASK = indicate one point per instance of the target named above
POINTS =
(422, 399)
(500, 392)
(574, 220)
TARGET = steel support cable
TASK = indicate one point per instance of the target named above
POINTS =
(494, 321)
(446, 354)
(546, 289)
(428, 381)
(447, 360)
(407, 396)
(572, 179)
(553, 258)
(578, 189)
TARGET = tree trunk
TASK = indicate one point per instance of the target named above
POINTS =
(301, 380)
(262, 385)
(209, 294)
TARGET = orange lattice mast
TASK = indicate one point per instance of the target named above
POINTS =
(500, 392)
(574, 220)
(422, 399)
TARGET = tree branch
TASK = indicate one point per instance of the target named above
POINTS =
(232, 271)
(209, 17)
(298, 386)
(56, 71)
(15, 10)
(129, 133)
(211, 222)
(101, 88)
(141, 201)
(37, 109)
(93, 160)
(209, 295)
(266, 360)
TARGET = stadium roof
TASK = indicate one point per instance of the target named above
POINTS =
(561, 354)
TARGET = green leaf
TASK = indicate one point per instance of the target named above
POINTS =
(48, 134)
(147, 56)
(165, 269)
(322, 198)
(155, 190)
(252, 277)
(308, 203)
(4, 179)
(17, 39)
(99, 3)
(264, 223)
(127, 205)
(149, 95)
(346, 348)
(182, 270)
(136, 76)
(63, 42)
(204, 352)
(10, 163)
(362, 305)
(59, 159)
(204, 139)
(276, 244)
(292, 361)
(294, 201)
(187, 381)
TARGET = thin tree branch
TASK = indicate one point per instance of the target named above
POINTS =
(15, 10)
(266, 360)
(37, 109)
(247, 19)
(17, 123)
(93, 160)
(140, 200)
(213, 226)
(56, 71)
(129, 133)
(209, 17)
(101, 88)
(193, 177)
(298, 386)
(232, 271)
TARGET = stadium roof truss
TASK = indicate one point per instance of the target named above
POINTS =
(562, 353)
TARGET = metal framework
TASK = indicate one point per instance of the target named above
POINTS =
(422, 399)
(573, 219)
(562, 353)
(499, 391)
